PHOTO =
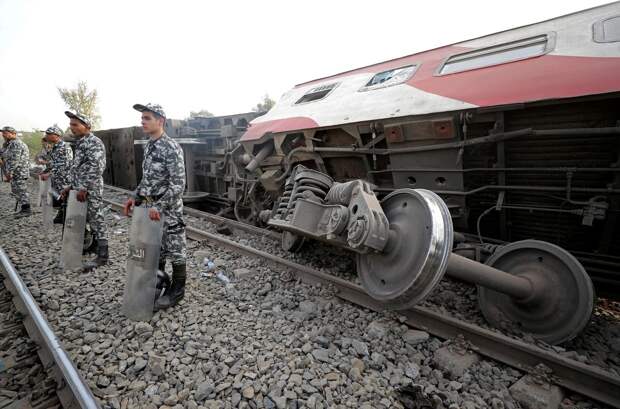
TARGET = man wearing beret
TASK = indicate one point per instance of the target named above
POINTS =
(58, 167)
(87, 178)
(17, 169)
(161, 189)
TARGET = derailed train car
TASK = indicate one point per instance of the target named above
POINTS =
(207, 142)
(518, 132)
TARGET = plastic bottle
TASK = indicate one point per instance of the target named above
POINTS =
(208, 264)
(222, 277)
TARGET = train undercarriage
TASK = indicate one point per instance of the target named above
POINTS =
(546, 171)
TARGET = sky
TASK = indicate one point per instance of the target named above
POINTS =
(223, 56)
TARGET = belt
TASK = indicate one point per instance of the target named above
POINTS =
(147, 199)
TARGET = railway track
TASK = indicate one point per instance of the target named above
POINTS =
(575, 376)
(72, 390)
(233, 225)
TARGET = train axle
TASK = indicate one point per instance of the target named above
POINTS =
(404, 247)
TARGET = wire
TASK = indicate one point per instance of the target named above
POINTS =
(487, 211)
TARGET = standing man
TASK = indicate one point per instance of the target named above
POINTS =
(58, 167)
(43, 157)
(87, 178)
(17, 167)
(2, 161)
(161, 189)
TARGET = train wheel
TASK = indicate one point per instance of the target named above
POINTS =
(562, 303)
(416, 255)
(245, 213)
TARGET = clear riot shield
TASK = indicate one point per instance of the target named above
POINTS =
(73, 234)
(47, 209)
(142, 261)
(42, 189)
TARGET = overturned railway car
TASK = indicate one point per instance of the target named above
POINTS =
(213, 182)
(518, 132)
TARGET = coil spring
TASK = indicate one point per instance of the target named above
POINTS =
(296, 188)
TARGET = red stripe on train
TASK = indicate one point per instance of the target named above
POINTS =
(541, 78)
(257, 130)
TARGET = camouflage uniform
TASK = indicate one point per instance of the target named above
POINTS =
(43, 155)
(17, 165)
(2, 160)
(59, 165)
(162, 186)
(87, 174)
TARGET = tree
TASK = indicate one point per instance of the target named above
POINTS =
(265, 105)
(202, 113)
(82, 100)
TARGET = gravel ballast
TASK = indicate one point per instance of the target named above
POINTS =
(263, 341)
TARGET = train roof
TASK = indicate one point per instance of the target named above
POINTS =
(569, 56)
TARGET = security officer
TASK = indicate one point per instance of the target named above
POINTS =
(17, 169)
(161, 189)
(43, 157)
(2, 161)
(58, 166)
(87, 178)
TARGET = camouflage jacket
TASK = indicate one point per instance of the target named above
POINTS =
(43, 155)
(59, 165)
(17, 159)
(2, 151)
(163, 173)
(88, 164)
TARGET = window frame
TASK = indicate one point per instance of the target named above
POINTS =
(366, 88)
(549, 46)
(598, 32)
(335, 85)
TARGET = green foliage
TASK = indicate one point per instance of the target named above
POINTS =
(83, 100)
(265, 105)
(33, 140)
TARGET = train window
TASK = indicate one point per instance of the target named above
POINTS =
(317, 93)
(390, 77)
(607, 30)
(498, 54)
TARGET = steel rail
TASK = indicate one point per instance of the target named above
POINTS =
(586, 380)
(73, 392)
(232, 224)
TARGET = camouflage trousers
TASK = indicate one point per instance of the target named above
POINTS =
(19, 190)
(95, 216)
(57, 184)
(173, 241)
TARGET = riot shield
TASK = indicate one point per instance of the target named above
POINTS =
(42, 189)
(47, 209)
(142, 261)
(73, 234)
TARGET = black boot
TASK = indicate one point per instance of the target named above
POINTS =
(176, 291)
(24, 212)
(92, 247)
(102, 256)
(60, 216)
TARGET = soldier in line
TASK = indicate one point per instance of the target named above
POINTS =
(17, 169)
(161, 189)
(60, 159)
(43, 157)
(87, 178)
(5, 142)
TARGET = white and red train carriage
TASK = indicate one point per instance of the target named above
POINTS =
(518, 132)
